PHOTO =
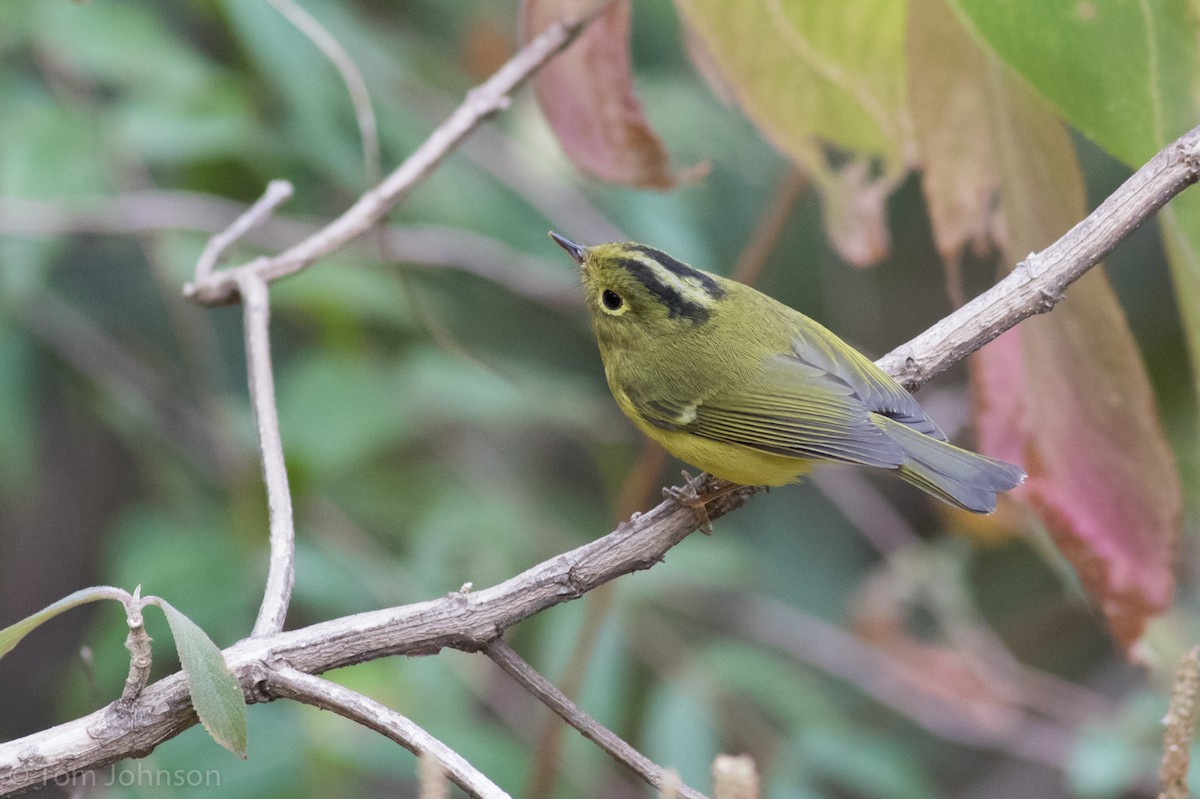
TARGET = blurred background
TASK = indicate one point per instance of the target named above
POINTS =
(445, 419)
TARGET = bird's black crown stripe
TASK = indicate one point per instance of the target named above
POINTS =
(668, 296)
(683, 270)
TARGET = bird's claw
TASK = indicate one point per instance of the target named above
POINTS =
(688, 496)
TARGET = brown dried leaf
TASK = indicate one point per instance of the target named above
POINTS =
(813, 74)
(587, 96)
(949, 108)
(854, 212)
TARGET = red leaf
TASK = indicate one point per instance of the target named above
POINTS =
(587, 96)
(1066, 394)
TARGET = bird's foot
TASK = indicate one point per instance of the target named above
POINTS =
(689, 496)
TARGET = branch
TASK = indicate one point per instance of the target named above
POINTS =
(277, 193)
(418, 245)
(482, 102)
(1036, 284)
(471, 621)
(356, 85)
(460, 620)
(281, 572)
(545, 691)
(291, 684)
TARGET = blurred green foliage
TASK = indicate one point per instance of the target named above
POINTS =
(441, 426)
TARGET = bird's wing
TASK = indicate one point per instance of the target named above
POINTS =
(877, 391)
(809, 403)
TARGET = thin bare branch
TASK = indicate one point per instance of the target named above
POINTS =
(277, 193)
(429, 246)
(469, 621)
(282, 569)
(292, 684)
(482, 102)
(506, 658)
(356, 86)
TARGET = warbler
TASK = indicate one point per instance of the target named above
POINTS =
(751, 391)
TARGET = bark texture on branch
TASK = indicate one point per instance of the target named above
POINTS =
(470, 621)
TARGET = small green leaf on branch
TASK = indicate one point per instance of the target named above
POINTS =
(215, 692)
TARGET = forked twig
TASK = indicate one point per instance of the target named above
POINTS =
(485, 100)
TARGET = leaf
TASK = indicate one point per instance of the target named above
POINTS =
(587, 96)
(809, 74)
(854, 213)
(802, 70)
(214, 689)
(11, 635)
(1123, 73)
(1127, 75)
(1066, 394)
(950, 120)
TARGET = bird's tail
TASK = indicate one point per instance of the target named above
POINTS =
(951, 474)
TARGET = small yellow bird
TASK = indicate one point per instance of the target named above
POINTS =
(740, 385)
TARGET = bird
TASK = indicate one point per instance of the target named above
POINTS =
(733, 382)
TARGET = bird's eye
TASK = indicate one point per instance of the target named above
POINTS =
(612, 300)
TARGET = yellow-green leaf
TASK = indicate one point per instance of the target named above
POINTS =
(799, 69)
(1123, 73)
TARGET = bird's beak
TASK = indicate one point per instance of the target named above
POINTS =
(575, 251)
